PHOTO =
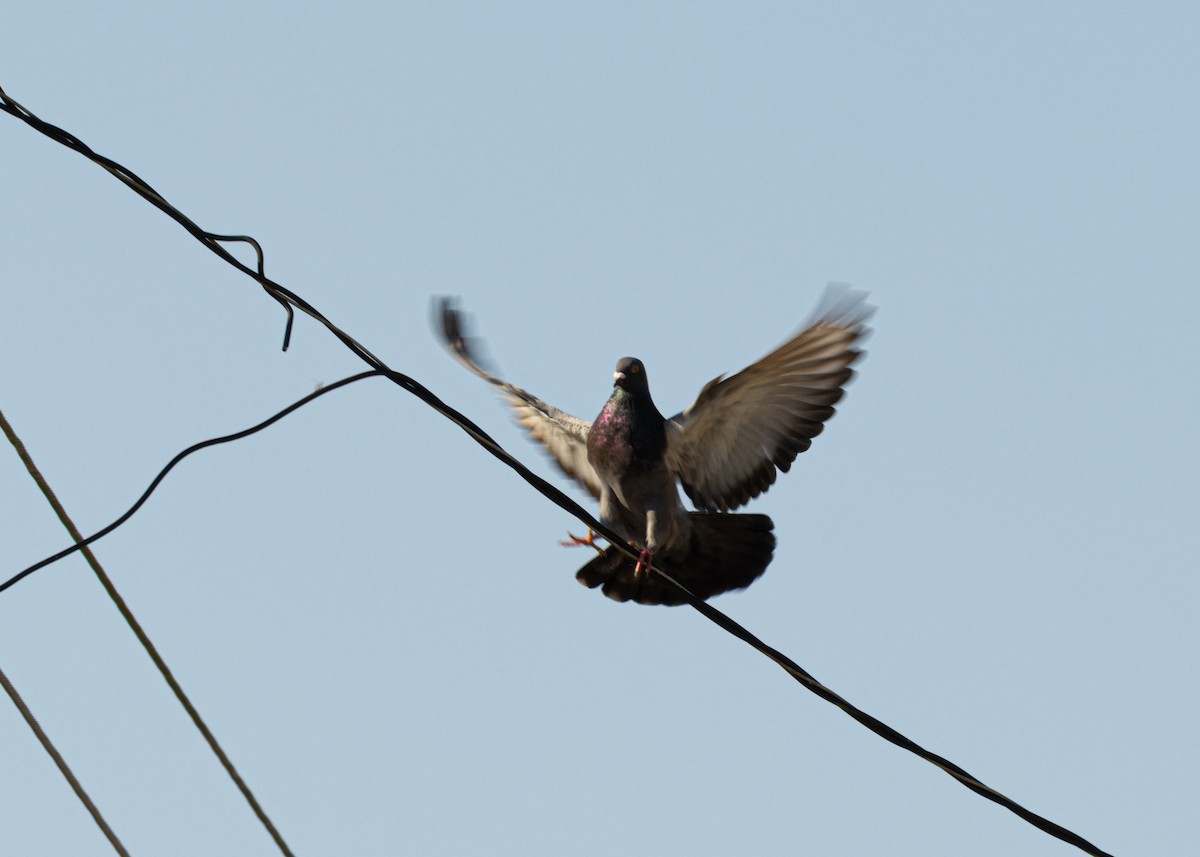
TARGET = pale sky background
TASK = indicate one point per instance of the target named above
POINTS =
(993, 547)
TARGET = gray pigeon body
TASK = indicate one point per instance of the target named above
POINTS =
(724, 449)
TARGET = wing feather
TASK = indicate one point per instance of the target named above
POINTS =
(729, 444)
(563, 436)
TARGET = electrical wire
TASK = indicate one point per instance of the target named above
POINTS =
(81, 543)
(61, 763)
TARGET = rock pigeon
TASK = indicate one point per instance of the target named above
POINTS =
(724, 449)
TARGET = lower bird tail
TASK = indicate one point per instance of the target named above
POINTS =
(724, 552)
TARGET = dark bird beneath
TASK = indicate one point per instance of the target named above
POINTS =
(725, 449)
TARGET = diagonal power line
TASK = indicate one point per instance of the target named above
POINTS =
(140, 633)
(61, 763)
(216, 242)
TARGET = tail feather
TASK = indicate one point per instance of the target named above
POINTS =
(725, 552)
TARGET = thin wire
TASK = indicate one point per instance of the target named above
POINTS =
(107, 583)
(81, 543)
(62, 765)
(552, 493)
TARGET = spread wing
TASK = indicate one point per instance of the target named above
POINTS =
(729, 443)
(563, 436)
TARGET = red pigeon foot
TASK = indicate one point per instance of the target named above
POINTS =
(576, 542)
(643, 563)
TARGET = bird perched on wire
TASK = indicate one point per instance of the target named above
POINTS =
(724, 449)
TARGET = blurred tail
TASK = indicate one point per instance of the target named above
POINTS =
(725, 552)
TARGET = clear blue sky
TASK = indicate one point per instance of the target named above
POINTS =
(993, 547)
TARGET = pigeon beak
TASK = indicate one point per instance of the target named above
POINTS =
(618, 377)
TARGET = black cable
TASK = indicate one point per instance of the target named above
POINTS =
(283, 295)
(170, 466)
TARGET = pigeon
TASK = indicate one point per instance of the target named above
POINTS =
(724, 449)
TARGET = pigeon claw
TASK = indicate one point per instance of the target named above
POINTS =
(576, 542)
(643, 564)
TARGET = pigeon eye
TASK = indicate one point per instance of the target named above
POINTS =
(634, 369)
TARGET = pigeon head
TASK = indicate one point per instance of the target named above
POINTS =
(630, 375)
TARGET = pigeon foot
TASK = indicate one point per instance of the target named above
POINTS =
(643, 563)
(576, 542)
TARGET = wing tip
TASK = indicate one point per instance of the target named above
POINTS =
(452, 324)
(844, 306)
